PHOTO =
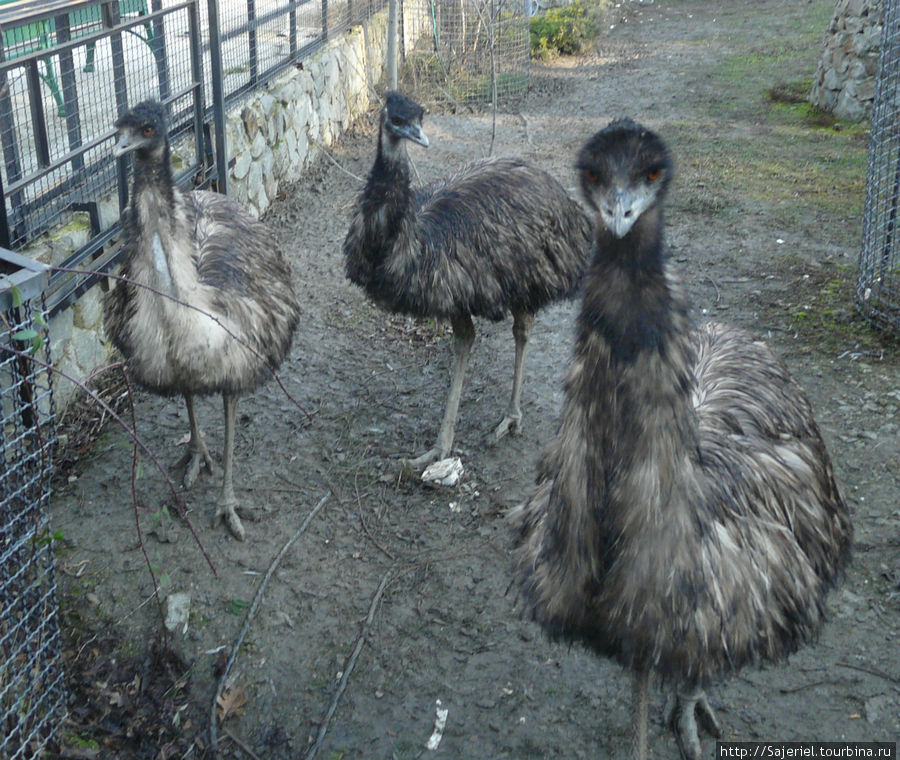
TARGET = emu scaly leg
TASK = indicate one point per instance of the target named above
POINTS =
(640, 697)
(197, 455)
(226, 509)
(463, 338)
(522, 324)
(690, 706)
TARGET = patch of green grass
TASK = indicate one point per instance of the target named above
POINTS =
(756, 68)
(804, 175)
(820, 309)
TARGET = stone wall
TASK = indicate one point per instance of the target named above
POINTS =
(272, 137)
(844, 83)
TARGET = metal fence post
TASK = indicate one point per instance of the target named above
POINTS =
(218, 95)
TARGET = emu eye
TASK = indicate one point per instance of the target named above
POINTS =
(396, 121)
(147, 131)
(654, 174)
(592, 176)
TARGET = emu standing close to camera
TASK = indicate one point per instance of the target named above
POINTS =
(496, 236)
(207, 306)
(686, 520)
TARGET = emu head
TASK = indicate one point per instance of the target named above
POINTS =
(143, 129)
(624, 170)
(401, 119)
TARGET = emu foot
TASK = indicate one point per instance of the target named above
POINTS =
(421, 462)
(683, 717)
(194, 460)
(227, 512)
(511, 424)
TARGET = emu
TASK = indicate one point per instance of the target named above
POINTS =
(686, 520)
(198, 248)
(496, 236)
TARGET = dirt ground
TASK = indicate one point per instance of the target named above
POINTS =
(394, 600)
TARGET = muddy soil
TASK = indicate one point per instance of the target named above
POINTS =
(420, 576)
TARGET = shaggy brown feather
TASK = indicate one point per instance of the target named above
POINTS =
(686, 520)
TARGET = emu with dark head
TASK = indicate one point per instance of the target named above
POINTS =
(686, 520)
(203, 249)
(496, 236)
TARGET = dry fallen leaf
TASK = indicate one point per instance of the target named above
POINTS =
(231, 702)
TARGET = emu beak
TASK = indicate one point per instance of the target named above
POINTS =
(621, 209)
(414, 132)
(125, 144)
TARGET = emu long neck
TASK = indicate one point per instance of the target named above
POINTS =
(387, 200)
(153, 221)
(635, 378)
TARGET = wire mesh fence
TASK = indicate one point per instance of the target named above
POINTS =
(63, 82)
(878, 283)
(259, 38)
(473, 51)
(32, 686)
(67, 69)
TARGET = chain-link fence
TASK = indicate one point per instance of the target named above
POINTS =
(473, 49)
(32, 687)
(878, 285)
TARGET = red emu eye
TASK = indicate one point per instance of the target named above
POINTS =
(592, 176)
(396, 121)
(654, 174)
(148, 131)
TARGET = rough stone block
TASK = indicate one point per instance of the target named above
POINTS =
(259, 146)
(88, 351)
(61, 327)
(87, 311)
(242, 165)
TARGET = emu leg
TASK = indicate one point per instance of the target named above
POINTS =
(463, 338)
(522, 324)
(689, 706)
(197, 455)
(226, 509)
(640, 695)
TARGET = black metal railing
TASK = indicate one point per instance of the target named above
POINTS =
(68, 68)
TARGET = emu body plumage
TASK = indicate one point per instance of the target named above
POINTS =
(198, 248)
(494, 237)
(686, 520)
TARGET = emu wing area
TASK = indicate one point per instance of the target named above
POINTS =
(496, 235)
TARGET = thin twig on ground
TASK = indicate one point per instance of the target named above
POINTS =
(251, 613)
(872, 671)
(351, 663)
(336, 162)
(244, 748)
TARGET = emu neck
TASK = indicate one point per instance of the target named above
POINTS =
(388, 195)
(628, 298)
(635, 379)
(153, 176)
(153, 219)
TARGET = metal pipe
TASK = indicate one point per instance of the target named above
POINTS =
(391, 59)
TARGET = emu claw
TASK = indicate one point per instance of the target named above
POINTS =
(509, 425)
(226, 511)
(193, 461)
(420, 462)
(682, 719)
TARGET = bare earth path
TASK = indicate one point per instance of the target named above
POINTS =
(445, 627)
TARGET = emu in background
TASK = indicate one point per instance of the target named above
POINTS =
(202, 249)
(496, 236)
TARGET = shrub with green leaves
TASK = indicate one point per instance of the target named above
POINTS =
(562, 31)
